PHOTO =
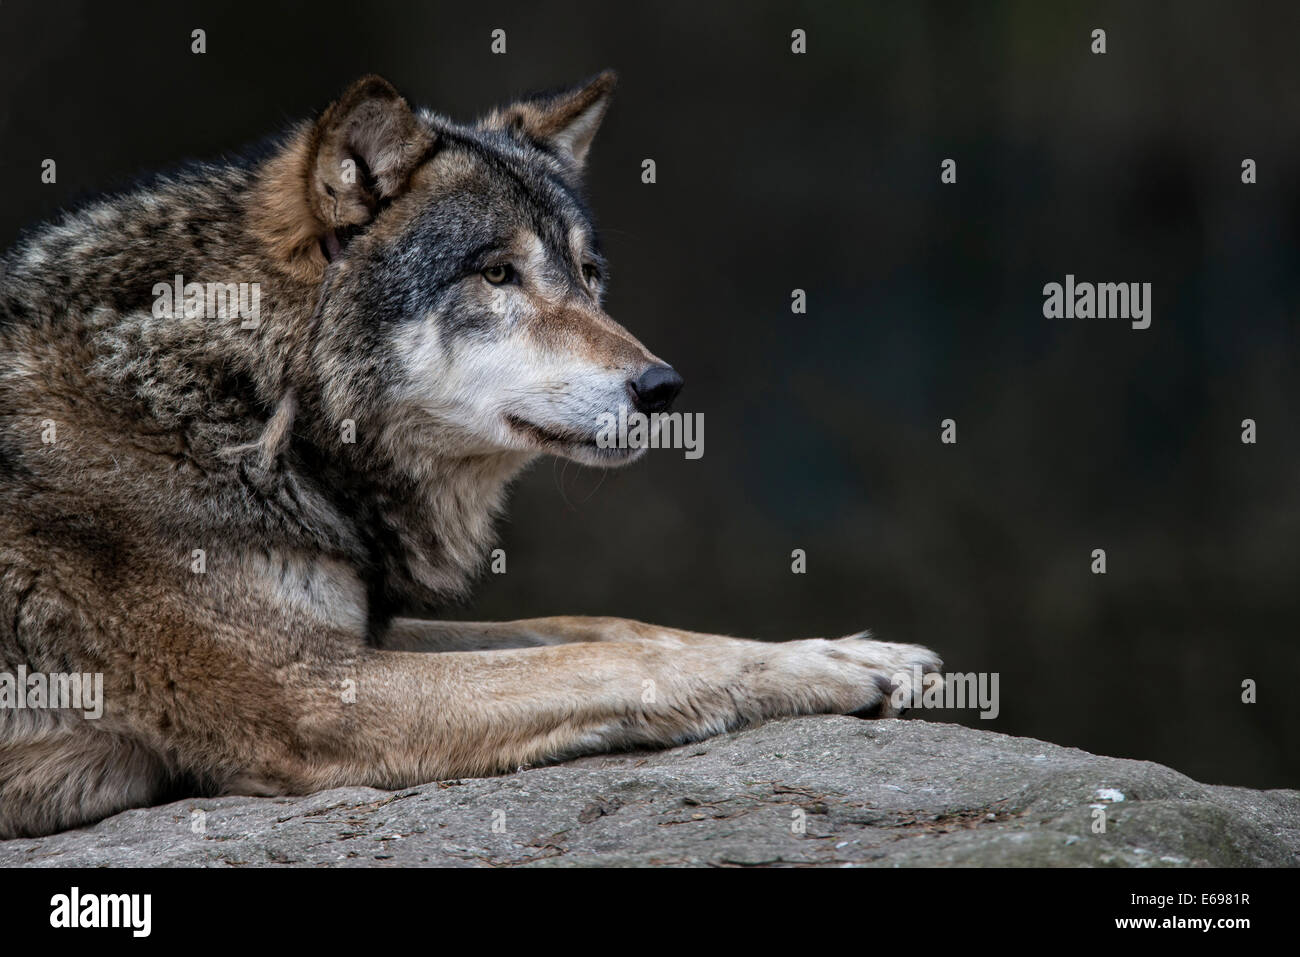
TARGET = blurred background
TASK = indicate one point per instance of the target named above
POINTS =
(821, 172)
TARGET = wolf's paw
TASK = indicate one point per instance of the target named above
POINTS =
(856, 675)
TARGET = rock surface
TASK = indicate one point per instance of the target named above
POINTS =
(805, 791)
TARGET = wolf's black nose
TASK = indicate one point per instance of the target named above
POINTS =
(656, 388)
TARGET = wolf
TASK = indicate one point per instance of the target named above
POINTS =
(235, 519)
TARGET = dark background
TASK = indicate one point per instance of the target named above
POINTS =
(821, 172)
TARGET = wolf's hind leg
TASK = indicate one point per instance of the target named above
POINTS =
(66, 778)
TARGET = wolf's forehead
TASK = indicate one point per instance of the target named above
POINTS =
(540, 249)
(509, 186)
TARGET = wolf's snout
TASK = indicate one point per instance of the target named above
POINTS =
(655, 389)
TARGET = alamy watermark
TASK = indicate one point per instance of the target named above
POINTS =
(56, 691)
(1102, 300)
(658, 430)
(955, 691)
(133, 912)
(179, 299)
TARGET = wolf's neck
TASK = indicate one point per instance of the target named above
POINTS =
(446, 530)
(427, 527)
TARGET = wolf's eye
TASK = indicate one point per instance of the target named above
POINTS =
(590, 273)
(499, 273)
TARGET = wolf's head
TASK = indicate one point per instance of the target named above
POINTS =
(461, 277)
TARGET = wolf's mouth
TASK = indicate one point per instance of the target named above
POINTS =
(567, 439)
(548, 436)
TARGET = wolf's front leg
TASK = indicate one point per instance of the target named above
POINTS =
(418, 634)
(412, 718)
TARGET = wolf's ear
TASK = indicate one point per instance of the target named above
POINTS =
(333, 175)
(564, 122)
(367, 144)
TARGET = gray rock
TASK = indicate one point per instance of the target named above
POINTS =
(800, 792)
